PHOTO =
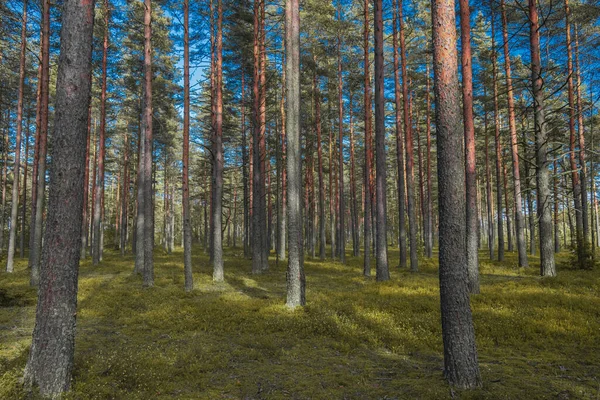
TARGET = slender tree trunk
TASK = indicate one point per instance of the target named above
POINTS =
(579, 228)
(282, 220)
(341, 201)
(509, 231)
(187, 223)
(408, 135)
(86, 186)
(581, 137)
(353, 196)
(51, 356)
(399, 144)
(368, 143)
(12, 242)
(547, 266)
(499, 206)
(245, 179)
(322, 234)
(519, 219)
(99, 196)
(383, 273)
(218, 274)
(148, 191)
(488, 185)
(429, 221)
(24, 201)
(295, 271)
(471, 162)
(461, 367)
(259, 259)
(125, 195)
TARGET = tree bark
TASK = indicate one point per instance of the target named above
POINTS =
(295, 271)
(148, 192)
(383, 273)
(408, 135)
(51, 356)
(322, 234)
(187, 224)
(99, 196)
(547, 265)
(399, 144)
(519, 219)
(218, 273)
(341, 202)
(461, 367)
(471, 162)
(368, 150)
(12, 233)
(499, 206)
(576, 185)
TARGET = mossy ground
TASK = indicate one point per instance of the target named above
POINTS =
(356, 338)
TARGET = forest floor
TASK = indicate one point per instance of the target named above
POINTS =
(356, 338)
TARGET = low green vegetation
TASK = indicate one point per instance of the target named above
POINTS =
(356, 339)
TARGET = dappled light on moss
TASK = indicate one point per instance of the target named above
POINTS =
(356, 338)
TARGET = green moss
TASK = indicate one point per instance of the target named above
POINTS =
(537, 338)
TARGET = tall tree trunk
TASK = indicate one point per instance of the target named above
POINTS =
(295, 271)
(282, 220)
(399, 144)
(148, 232)
(461, 367)
(341, 202)
(99, 202)
(471, 162)
(488, 185)
(581, 137)
(218, 274)
(368, 144)
(51, 356)
(124, 196)
(579, 228)
(499, 206)
(519, 219)
(187, 223)
(353, 196)
(429, 220)
(383, 273)
(245, 162)
(408, 135)
(24, 201)
(322, 234)
(547, 266)
(86, 187)
(259, 259)
(12, 242)
(4, 184)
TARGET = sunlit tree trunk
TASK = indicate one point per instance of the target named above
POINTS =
(12, 233)
(368, 144)
(519, 219)
(148, 192)
(99, 196)
(295, 271)
(470, 164)
(217, 209)
(408, 136)
(50, 361)
(399, 144)
(383, 273)
(547, 266)
(461, 366)
(576, 185)
(488, 185)
(499, 206)
(36, 248)
(187, 224)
